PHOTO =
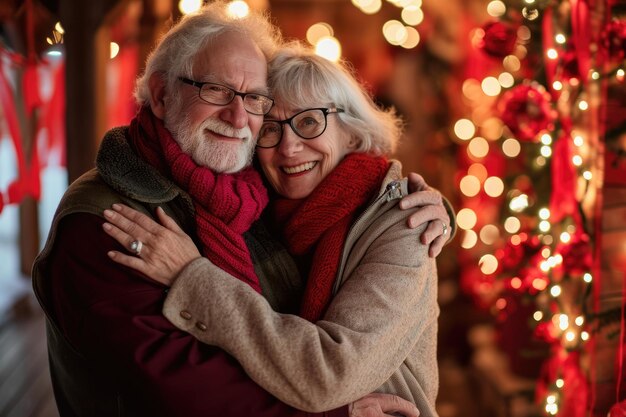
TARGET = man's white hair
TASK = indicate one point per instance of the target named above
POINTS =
(175, 52)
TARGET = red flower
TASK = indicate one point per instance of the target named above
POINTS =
(614, 40)
(576, 255)
(618, 410)
(499, 39)
(526, 110)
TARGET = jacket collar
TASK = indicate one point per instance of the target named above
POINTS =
(130, 175)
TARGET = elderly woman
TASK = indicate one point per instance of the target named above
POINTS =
(368, 314)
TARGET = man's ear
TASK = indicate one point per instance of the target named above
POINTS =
(157, 94)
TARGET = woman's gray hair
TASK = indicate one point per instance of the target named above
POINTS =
(298, 79)
(175, 52)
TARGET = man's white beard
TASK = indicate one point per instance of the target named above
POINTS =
(220, 156)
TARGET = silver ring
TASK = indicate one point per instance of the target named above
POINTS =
(136, 246)
(445, 228)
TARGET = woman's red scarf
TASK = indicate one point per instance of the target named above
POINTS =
(226, 204)
(318, 225)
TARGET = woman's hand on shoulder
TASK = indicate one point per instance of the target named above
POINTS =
(159, 251)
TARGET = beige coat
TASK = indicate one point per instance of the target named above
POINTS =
(379, 333)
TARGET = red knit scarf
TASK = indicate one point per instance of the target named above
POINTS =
(318, 225)
(226, 204)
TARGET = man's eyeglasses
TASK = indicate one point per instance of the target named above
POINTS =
(308, 124)
(220, 95)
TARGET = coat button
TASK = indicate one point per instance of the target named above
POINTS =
(201, 326)
(185, 314)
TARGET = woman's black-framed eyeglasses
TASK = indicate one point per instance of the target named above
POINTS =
(221, 95)
(308, 124)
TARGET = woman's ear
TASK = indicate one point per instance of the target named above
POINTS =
(353, 143)
(157, 94)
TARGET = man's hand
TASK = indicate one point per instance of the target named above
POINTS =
(377, 405)
(429, 209)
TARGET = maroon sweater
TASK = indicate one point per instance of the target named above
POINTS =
(112, 315)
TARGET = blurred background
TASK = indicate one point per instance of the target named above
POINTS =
(515, 110)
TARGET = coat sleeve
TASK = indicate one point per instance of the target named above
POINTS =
(369, 329)
(113, 316)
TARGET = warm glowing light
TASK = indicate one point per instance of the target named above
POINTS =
(584, 336)
(580, 320)
(539, 284)
(501, 304)
(565, 237)
(570, 336)
(471, 89)
(470, 185)
(511, 147)
(519, 203)
(470, 238)
(328, 47)
(488, 264)
(544, 226)
(238, 9)
(555, 291)
(595, 75)
(620, 74)
(318, 31)
(546, 151)
(394, 32)
(579, 140)
(494, 186)
(544, 213)
(466, 218)
(189, 6)
(491, 86)
(516, 283)
(115, 49)
(492, 128)
(538, 315)
(544, 266)
(412, 15)
(559, 383)
(412, 38)
(540, 161)
(496, 8)
(545, 252)
(560, 38)
(464, 129)
(371, 6)
(551, 53)
(530, 14)
(478, 147)
(506, 79)
(547, 239)
(557, 85)
(587, 175)
(551, 399)
(516, 240)
(489, 234)
(478, 170)
(512, 225)
(577, 160)
(583, 105)
(523, 33)
(563, 321)
(511, 63)
(59, 28)
(587, 278)
(546, 139)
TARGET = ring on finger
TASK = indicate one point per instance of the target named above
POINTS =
(136, 246)
(445, 228)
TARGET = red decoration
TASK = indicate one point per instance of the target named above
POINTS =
(527, 111)
(618, 410)
(499, 39)
(614, 40)
(572, 400)
(563, 198)
(577, 258)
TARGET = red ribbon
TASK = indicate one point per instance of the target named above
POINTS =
(581, 35)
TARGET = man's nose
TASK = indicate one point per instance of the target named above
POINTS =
(235, 114)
